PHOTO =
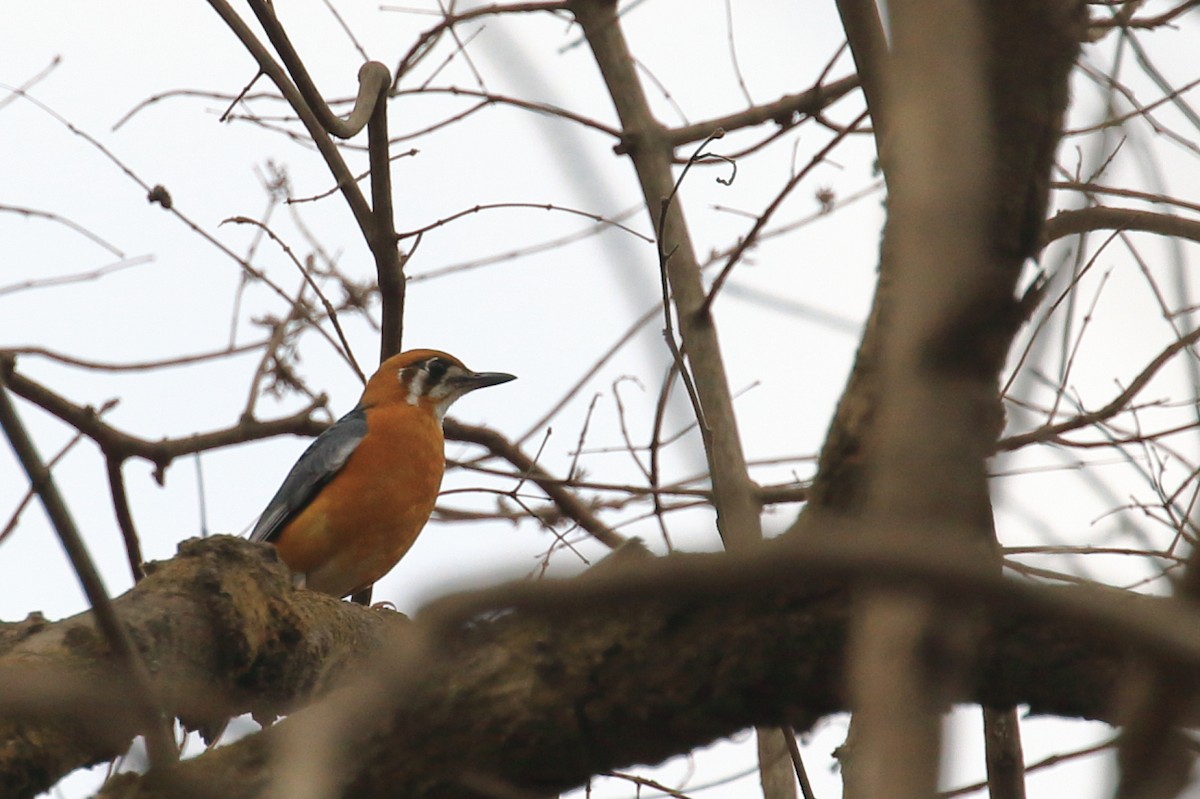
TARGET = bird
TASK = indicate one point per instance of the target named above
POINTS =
(358, 497)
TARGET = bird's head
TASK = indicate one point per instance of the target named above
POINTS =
(428, 379)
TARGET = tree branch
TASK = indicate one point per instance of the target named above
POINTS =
(651, 151)
(782, 112)
(868, 46)
(131, 672)
(225, 632)
(630, 664)
(121, 445)
(120, 500)
(566, 501)
(1119, 403)
(1083, 220)
(320, 138)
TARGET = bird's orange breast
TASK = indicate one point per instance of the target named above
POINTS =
(364, 520)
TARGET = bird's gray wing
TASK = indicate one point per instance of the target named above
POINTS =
(323, 459)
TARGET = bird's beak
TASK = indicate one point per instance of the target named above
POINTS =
(474, 380)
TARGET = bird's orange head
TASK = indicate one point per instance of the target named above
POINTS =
(427, 379)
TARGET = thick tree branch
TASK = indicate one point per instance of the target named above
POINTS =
(630, 664)
(925, 464)
(1028, 97)
(698, 354)
(972, 116)
(224, 633)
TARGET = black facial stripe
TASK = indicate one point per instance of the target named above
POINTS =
(436, 368)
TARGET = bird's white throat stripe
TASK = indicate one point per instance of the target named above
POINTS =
(416, 384)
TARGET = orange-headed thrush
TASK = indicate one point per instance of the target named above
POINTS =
(359, 495)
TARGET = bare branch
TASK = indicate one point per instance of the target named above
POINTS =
(538, 206)
(567, 502)
(139, 366)
(345, 351)
(429, 38)
(161, 452)
(651, 152)
(1083, 220)
(154, 725)
(80, 229)
(640, 634)
(751, 237)
(783, 112)
(120, 500)
(1118, 404)
(868, 45)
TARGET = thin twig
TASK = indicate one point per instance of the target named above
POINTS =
(429, 38)
(572, 471)
(655, 476)
(1096, 188)
(34, 81)
(532, 249)
(664, 258)
(345, 351)
(279, 333)
(592, 371)
(492, 98)
(1115, 406)
(171, 208)
(806, 789)
(227, 114)
(78, 277)
(538, 206)
(782, 112)
(346, 29)
(751, 238)
(58, 456)
(319, 136)
(135, 366)
(1128, 21)
(62, 220)
(566, 501)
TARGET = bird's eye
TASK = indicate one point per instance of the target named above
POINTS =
(436, 367)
